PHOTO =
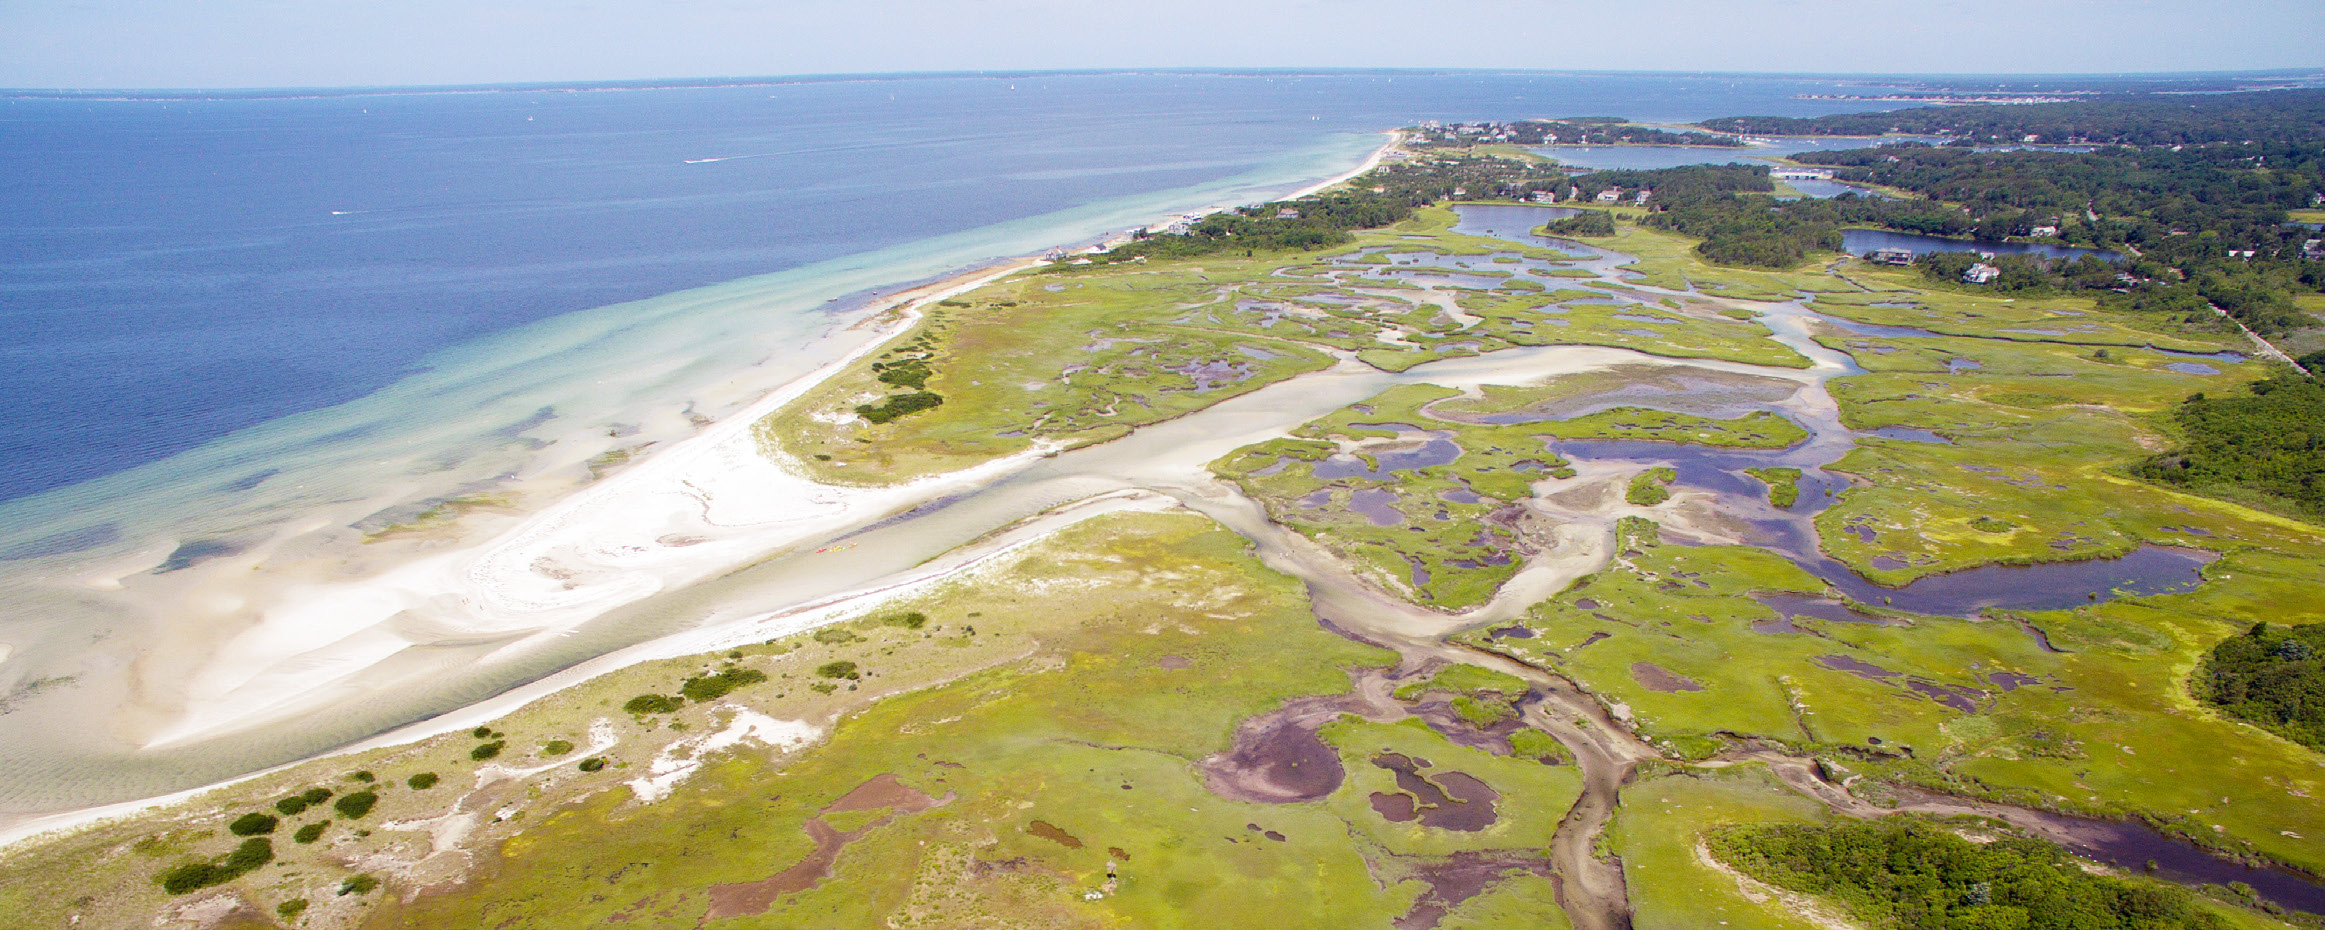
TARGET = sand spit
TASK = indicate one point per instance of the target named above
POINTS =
(1370, 162)
(596, 550)
(690, 511)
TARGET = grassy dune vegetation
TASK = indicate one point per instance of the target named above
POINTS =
(1025, 754)
(1060, 738)
(1081, 354)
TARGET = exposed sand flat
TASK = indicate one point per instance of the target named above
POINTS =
(680, 760)
(599, 549)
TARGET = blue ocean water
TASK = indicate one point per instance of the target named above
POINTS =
(257, 327)
(174, 269)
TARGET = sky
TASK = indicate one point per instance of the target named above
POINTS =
(314, 43)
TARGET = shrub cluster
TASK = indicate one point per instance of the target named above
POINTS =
(910, 620)
(653, 704)
(703, 689)
(298, 803)
(354, 806)
(192, 876)
(2270, 443)
(898, 405)
(252, 824)
(838, 669)
(2273, 676)
(1917, 877)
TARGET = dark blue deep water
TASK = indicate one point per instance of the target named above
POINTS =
(175, 268)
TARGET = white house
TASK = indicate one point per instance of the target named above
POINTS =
(1641, 199)
(1543, 197)
(1610, 195)
(1981, 273)
(2044, 232)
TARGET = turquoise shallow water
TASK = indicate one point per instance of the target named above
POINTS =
(270, 325)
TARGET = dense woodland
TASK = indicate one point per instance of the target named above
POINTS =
(1579, 130)
(2270, 441)
(1383, 196)
(2273, 676)
(2158, 119)
(2183, 220)
(1918, 877)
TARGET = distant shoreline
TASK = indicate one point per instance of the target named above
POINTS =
(890, 316)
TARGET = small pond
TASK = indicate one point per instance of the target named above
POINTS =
(1861, 241)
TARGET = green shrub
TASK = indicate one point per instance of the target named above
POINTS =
(354, 806)
(291, 909)
(910, 620)
(192, 876)
(591, 764)
(481, 733)
(840, 669)
(364, 776)
(2272, 676)
(485, 751)
(1593, 223)
(422, 781)
(703, 689)
(910, 373)
(835, 636)
(297, 804)
(360, 884)
(310, 833)
(252, 824)
(1920, 877)
(898, 405)
(556, 747)
(2261, 445)
(653, 704)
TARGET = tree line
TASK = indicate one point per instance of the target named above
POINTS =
(2127, 119)
(1381, 197)
(2272, 676)
(1914, 876)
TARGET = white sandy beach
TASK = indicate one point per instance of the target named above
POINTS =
(692, 510)
(696, 509)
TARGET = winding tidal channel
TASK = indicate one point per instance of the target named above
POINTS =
(1170, 459)
(926, 538)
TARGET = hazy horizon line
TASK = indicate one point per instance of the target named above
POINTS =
(771, 80)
